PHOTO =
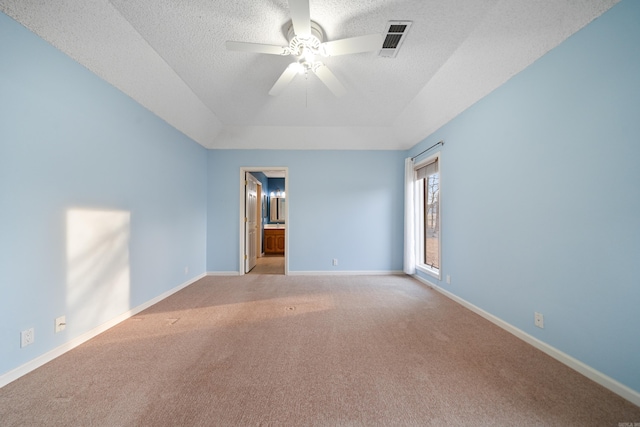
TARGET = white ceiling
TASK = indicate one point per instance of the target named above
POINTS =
(170, 56)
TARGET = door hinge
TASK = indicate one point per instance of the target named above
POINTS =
(245, 257)
(246, 219)
(246, 182)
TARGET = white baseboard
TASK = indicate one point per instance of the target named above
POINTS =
(69, 345)
(346, 273)
(618, 388)
(223, 273)
(319, 273)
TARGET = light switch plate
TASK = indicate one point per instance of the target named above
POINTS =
(60, 323)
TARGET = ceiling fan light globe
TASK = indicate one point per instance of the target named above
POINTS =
(297, 67)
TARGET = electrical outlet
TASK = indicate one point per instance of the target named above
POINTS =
(448, 279)
(60, 324)
(538, 320)
(186, 270)
(335, 261)
(27, 337)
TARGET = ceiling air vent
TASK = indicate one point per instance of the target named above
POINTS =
(395, 33)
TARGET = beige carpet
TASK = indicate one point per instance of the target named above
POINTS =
(294, 350)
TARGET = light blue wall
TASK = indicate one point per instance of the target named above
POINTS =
(541, 197)
(69, 142)
(342, 204)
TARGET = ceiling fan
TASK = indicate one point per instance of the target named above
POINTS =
(306, 43)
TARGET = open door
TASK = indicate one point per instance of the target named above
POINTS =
(252, 220)
(251, 225)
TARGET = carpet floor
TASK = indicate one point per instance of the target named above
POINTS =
(308, 350)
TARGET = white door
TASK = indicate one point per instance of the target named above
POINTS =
(251, 225)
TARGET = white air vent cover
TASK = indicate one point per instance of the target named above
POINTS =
(395, 33)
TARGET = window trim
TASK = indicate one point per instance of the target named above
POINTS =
(419, 256)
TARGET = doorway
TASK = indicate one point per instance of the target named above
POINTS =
(256, 226)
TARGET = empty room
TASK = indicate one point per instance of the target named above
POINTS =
(310, 212)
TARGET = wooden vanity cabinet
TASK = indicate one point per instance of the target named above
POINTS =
(273, 241)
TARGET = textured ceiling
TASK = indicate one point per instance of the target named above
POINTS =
(170, 56)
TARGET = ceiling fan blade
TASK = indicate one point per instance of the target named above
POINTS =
(354, 45)
(284, 79)
(330, 80)
(257, 48)
(300, 17)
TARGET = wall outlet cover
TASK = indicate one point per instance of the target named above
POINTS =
(27, 337)
(538, 320)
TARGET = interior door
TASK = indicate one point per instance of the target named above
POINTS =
(251, 225)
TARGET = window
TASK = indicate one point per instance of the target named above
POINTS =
(427, 205)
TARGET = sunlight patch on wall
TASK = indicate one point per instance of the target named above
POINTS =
(98, 270)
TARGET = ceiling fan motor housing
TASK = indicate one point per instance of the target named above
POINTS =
(313, 43)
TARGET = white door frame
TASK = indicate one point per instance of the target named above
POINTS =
(241, 209)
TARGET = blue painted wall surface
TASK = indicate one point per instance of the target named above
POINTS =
(70, 141)
(276, 184)
(342, 204)
(541, 197)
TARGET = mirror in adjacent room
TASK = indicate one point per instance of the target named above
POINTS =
(276, 207)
